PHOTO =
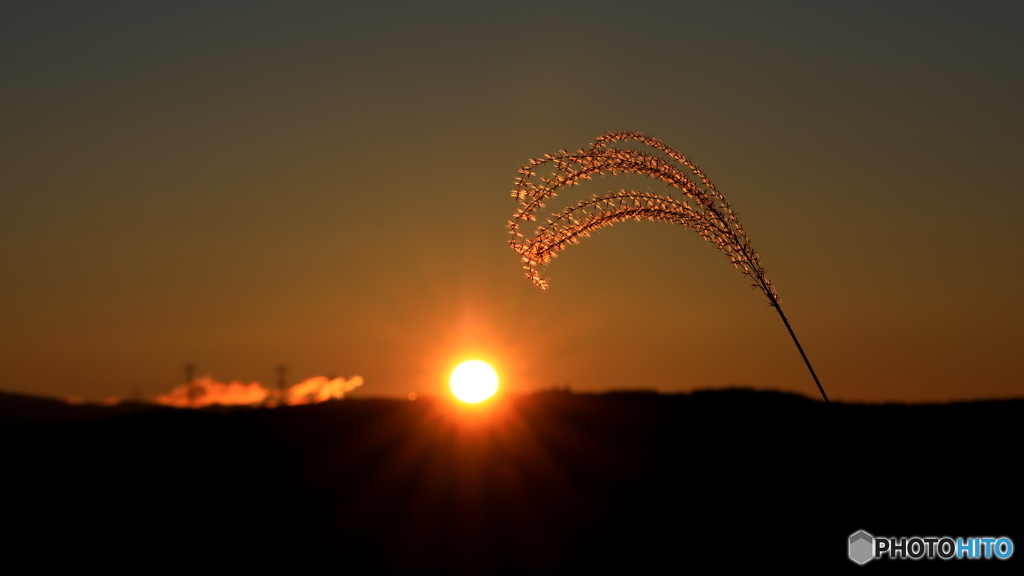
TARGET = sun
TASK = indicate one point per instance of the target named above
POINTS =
(473, 381)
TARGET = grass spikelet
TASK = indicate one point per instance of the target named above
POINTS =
(700, 207)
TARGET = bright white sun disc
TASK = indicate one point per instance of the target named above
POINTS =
(473, 381)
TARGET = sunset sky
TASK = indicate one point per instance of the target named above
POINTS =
(326, 185)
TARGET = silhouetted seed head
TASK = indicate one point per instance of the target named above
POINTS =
(707, 212)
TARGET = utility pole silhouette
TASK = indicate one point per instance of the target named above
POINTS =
(281, 385)
(190, 373)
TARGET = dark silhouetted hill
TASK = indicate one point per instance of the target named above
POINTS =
(23, 408)
(551, 483)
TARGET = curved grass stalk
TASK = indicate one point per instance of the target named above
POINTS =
(702, 209)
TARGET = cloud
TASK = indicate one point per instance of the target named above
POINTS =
(319, 388)
(206, 391)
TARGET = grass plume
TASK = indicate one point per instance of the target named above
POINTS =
(701, 208)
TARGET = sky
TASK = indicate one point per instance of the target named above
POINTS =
(326, 185)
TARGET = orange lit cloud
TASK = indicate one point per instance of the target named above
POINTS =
(206, 391)
(318, 389)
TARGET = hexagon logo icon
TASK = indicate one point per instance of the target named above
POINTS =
(861, 544)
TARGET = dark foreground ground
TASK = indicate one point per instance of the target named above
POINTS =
(552, 483)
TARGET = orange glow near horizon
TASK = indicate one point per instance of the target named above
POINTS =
(473, 381)
(206, 391)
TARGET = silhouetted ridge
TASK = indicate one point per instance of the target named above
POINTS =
(550, 483)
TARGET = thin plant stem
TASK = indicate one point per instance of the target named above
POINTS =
(801, 349)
